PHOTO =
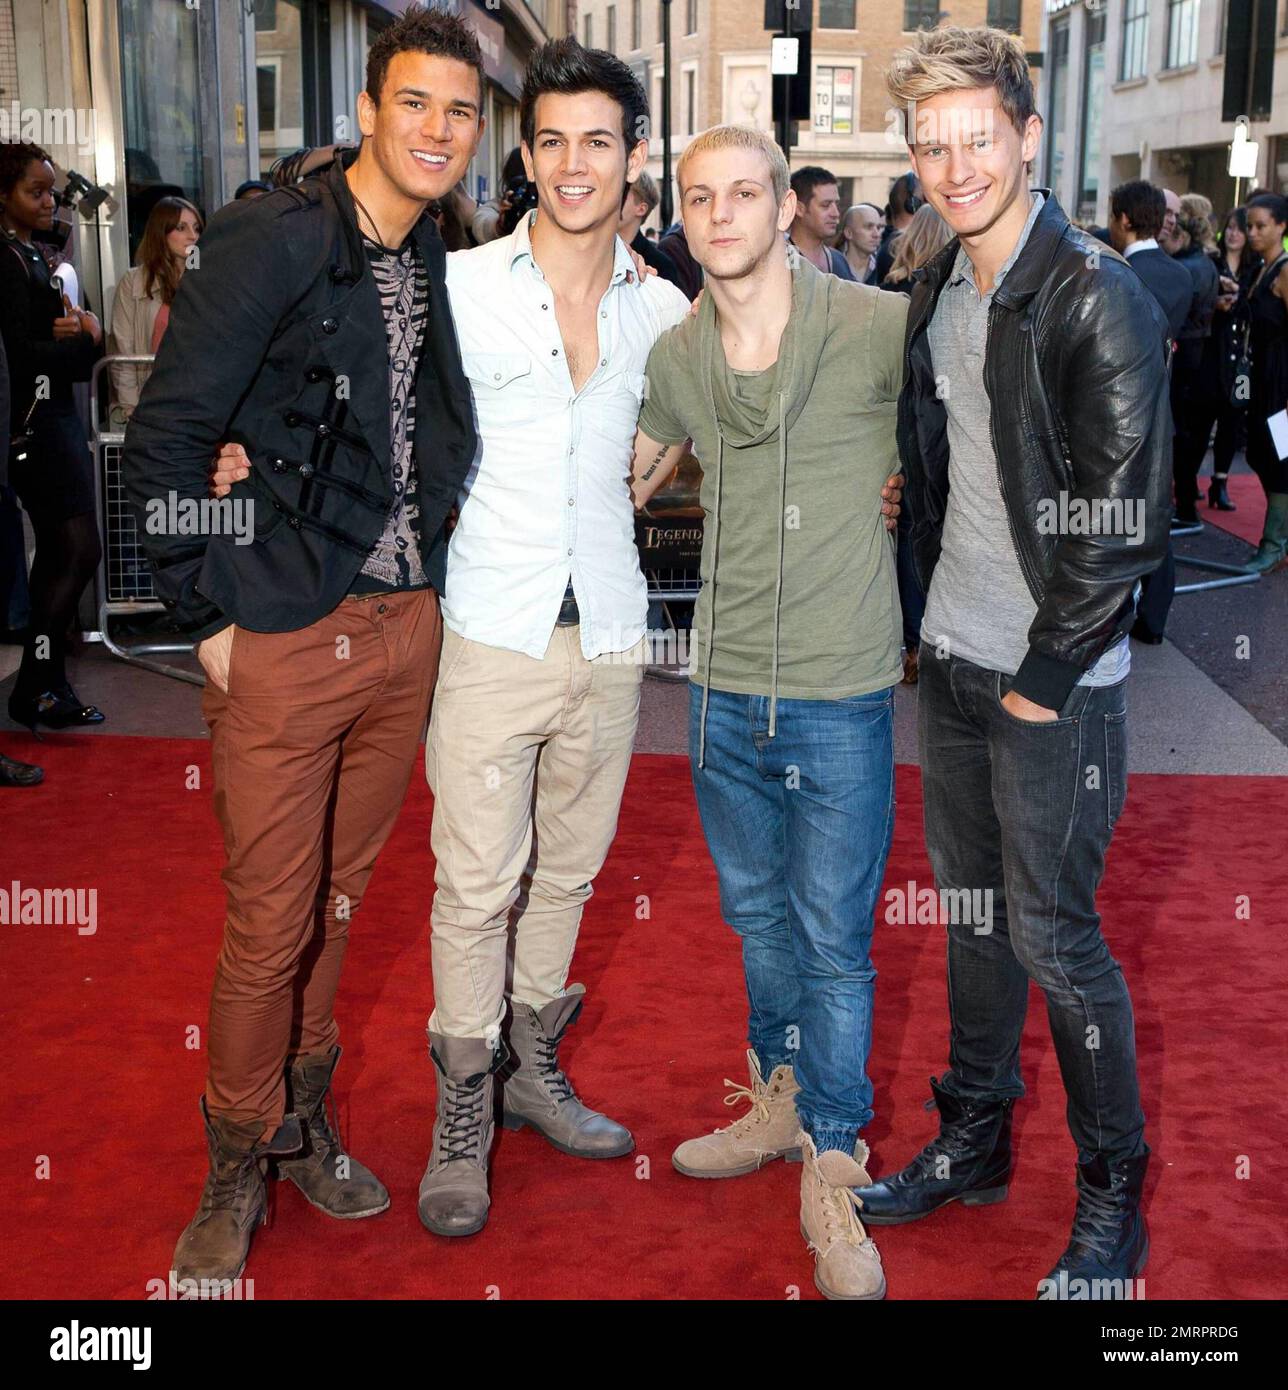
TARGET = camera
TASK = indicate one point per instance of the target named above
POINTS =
(523, 198)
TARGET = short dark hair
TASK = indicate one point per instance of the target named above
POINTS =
(14, 158)
(1143, 205)
(806, 180)
(564, 67)
(420, 29)
(1274, 204)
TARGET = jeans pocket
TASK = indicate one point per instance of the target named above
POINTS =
(1115, 766)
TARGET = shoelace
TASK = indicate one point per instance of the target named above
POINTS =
(463, 1124)
(842, 1208)
(1097, 1221)
(547, 1063)
(757, 1099)
(952, 1146)
(230, 1179)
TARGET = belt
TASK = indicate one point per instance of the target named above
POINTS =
(568, 614)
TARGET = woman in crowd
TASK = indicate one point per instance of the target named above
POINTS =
(1193, 426)
(925, 236)
(50, 344)
(141, 307)
(1268, 346)
(1222, 398)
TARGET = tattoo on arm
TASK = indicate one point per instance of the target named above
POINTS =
(653, 467)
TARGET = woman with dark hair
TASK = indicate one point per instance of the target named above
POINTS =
(141, 306)
(50, 344)
(1268, 345)
(1227, 399)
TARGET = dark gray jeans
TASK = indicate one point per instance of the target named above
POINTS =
(1027, 811)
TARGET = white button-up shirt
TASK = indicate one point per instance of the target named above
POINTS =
(548, 495)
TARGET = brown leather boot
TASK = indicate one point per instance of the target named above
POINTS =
(331, 1179)
(538, 1093)
(453, 1198)
(213, 1247)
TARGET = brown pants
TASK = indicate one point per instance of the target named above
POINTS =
(313, 747)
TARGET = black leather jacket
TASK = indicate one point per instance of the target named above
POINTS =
(1076, 373)
(277, 342)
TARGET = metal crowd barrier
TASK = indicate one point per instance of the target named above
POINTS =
(1234, 574)
(124, 582)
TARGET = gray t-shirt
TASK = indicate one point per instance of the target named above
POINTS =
(979, 607)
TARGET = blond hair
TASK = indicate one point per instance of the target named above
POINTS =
(923, 238)
(954, 59)
(738, 137)
(1196, 219)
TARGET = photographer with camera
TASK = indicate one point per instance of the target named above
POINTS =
(50, 344)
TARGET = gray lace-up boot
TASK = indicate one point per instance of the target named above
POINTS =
(453, 1193)
(538, 1093)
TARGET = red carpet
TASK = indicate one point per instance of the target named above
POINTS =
(98, 1078)
(1249, 497)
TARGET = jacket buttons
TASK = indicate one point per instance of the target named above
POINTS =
(293, 522)
(292, 419)
(313, 374)
(330, 325)
(279, 465)
(277, 506)
(323, 431)
(338, 273)
(306, 470)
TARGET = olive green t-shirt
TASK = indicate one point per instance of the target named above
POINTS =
(836, 384)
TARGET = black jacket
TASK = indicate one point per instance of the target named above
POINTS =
(1169, 282)
(277, 342)
(1203, 276)
(1076, 371)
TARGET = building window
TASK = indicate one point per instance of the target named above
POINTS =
(611, 45)
(834, 101)
(690, 101)
(1005, 14)
(836, 14)
(691, 17)
(636, 36)
(1057, 95)
(1093, 101)
(920, 14)
(1182, 33)
(1135, 39)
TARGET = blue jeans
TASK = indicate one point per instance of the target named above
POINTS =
(799, 827)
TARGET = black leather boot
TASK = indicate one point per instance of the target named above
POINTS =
(1109, 1244)
(970, 1162)
(1218, 497)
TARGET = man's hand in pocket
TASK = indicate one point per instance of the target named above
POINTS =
(214, 654)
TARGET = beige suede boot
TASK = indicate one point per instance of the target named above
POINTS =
(766, 1132)
(847, 1264)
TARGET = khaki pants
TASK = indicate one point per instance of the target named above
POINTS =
(527, 761)
(313, 747)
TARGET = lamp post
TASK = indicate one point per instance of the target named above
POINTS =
(667, 209)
